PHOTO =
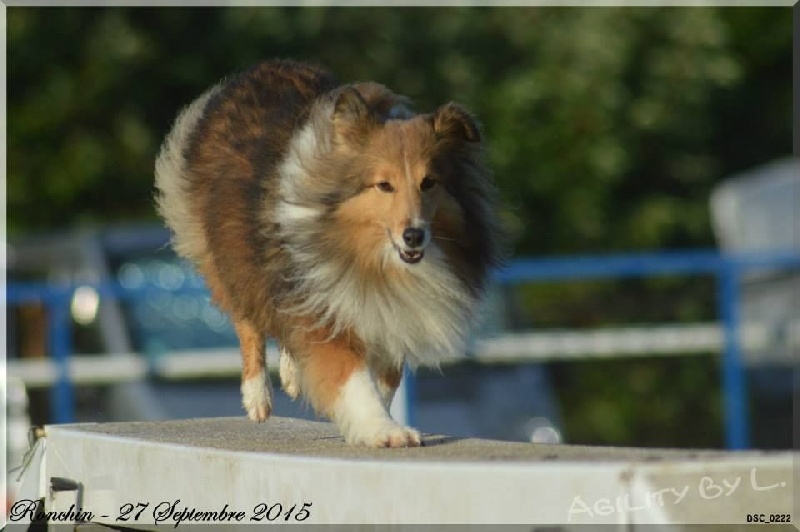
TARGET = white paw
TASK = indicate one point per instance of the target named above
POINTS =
(257, 397)
(363, 419)
(384, 433)
(290, 377)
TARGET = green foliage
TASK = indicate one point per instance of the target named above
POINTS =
(605, 124)
(593, 303)
(681, 410)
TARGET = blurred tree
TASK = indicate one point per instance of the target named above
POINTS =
(607, 126)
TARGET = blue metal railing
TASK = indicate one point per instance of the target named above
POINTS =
(727, 268)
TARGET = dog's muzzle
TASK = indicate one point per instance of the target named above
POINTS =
(414, 239)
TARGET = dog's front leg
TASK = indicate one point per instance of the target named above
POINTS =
(340, 385)
(256, 387)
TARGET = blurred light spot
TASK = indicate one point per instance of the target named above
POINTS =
(545, 435)
(85, 302)
(170, 277)
(131, 276)
(185, 308)
(194, 279)
(542, 431)
(214, 318)
(160, 301)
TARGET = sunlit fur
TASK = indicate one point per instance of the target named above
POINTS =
(171, 179)
(346, 272)
(302, 189)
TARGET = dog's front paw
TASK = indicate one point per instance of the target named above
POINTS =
(257, 397)
(384, 434)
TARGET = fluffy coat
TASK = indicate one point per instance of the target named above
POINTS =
(335, 219)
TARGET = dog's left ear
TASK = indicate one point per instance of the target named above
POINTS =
(352, 118)
(454, 122)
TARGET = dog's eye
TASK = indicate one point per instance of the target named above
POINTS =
(427, 183)
(385, 186)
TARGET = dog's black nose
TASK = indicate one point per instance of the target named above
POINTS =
(413, 237)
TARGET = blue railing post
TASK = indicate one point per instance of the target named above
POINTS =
(62, 396)
(409, 381)
(734, 385)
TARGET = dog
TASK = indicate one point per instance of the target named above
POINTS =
(334, 218)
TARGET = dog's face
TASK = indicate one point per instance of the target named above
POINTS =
(401, 194)
(406, 177)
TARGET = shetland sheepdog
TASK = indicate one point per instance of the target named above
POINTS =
(335, 219)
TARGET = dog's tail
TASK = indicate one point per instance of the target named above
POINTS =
(172, 196)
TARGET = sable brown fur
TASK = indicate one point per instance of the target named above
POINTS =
(294, 196)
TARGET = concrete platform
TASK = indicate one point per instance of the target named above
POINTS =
(308, 438)
(286, 470)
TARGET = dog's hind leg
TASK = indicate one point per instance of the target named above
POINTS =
(290, 374)
(256, 387)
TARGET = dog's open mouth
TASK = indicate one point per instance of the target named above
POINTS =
(411, 256)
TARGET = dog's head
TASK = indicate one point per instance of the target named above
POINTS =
(410, 171)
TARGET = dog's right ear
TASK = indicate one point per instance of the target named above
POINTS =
(352, 118)
(452, 121)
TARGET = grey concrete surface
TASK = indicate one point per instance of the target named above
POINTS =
(316, 439)
(207, 463)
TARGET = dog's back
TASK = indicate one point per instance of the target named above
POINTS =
(216, 175)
